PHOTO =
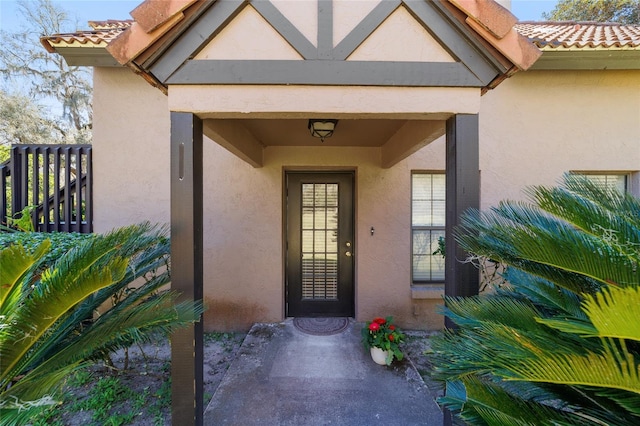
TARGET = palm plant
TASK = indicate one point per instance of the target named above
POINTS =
(49, 326)
(559, 344)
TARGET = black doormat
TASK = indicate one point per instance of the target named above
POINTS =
(321, 326)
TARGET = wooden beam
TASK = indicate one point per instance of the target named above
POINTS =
(411, 137)
(234, 137)
(325, 73)
(187, 354)
(462, 193)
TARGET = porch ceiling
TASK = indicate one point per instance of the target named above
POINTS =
(283, 132)
(395, 138)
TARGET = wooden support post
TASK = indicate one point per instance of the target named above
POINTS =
(187, 407)
(462, 192)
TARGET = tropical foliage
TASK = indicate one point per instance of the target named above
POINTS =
(49, 326)
(382, 333)
(559, 343)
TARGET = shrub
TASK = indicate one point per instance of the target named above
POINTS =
(48, 327)
(560, 342)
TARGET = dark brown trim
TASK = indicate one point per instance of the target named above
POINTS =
(462, 193)
(325, 29)
(364, 29)
(325, 72)
(205, 28)
(187, 355)
(443, 28)
(286, 29)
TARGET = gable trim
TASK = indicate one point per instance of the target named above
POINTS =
(325, 72)
(204, 29)
(443, 28)
(325, 29)
(364, 29)
(285, 28)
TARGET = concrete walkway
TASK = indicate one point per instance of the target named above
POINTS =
(282, 376)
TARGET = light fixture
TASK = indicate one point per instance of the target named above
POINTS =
(322, 128)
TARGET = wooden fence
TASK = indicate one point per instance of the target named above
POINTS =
(55, 180)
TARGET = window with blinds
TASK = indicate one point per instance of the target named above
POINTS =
(319, 241)
(616, 181)
(427, 226)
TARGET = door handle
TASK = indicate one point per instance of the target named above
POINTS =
(347, 253)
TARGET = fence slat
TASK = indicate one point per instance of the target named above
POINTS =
(67, 204)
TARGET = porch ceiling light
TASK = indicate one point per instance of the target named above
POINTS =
(322, 128)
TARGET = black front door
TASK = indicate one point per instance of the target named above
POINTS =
(320, 246)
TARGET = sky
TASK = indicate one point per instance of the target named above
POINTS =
(100, 10)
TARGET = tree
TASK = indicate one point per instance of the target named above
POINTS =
(47, 313)
(622, 11)
(47, 78)
(560, 342)
(24, 121)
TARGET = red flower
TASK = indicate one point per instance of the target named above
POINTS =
(374, 326)
(379, 320)
(391, 337)
(392, 327)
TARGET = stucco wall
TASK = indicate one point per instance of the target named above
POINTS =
(537, 125)
(533, 127)
(130, 150)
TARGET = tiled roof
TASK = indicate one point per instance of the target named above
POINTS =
(545, 35)
(580, 35)
(102, 34)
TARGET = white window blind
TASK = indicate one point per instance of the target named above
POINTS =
(427, 226)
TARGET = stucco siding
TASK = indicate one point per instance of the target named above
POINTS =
(533, 127)
(130, 150)
(537, 125)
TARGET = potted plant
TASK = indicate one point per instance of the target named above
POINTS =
(383, 340)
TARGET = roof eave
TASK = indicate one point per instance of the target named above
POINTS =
(588, 59)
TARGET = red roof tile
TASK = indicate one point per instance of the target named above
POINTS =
(545, 35)
(102, 34)
(580, 35)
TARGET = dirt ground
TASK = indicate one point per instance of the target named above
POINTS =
(142, 394)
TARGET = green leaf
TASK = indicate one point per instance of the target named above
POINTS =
(14, 263)
(615, 312)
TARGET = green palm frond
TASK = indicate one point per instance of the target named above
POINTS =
(568, 339)
(612, 312)
(544, 294)
(472, 311)
(531, 239)
(50, 329)
(594, 211)
(615, 312)
(481, 402)
(625, 204)
(75, 277)
(607, 370)
(15, 262)
(148, 257)
(160, 315)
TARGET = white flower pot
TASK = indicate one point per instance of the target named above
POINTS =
(379, 356)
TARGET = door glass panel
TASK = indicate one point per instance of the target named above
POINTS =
(320, 241)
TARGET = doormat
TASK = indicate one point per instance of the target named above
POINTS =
(321, 326)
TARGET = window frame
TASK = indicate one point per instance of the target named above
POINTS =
(604, 173)
(414, 281)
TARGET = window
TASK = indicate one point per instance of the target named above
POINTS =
(618, 181)
(427, 226)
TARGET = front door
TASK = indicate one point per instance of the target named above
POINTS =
(320, 246)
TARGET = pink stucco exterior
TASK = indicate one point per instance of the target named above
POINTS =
(533, 128)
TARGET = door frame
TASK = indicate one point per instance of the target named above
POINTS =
(318, 170)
